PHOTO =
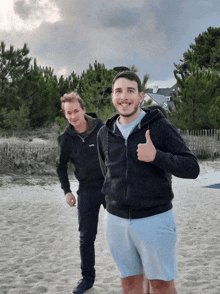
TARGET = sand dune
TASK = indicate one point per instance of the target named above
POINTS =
(39, 249)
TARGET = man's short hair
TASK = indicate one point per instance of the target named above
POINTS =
(130, 75)
(71, 97)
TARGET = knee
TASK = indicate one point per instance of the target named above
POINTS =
(87, 237)
(87, 230)
(132, 285)
(159, 286)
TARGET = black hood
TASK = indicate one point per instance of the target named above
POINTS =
(150, 117)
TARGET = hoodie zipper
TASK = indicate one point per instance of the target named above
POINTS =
(126, 146)
(82, 138)
(126, 162)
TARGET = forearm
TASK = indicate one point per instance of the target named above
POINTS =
(181, 165)
(61, 169)
(62, 174)
(101, 156)
(173, 156)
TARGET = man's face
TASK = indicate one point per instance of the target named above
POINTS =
(126, 98)
(74, 114)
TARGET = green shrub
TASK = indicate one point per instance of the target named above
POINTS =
(61, 122)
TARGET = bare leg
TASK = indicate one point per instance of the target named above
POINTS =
(146, 286)
(133, 285)
(162, 287)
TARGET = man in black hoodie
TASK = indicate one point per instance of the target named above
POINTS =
(138, 151)
(78, 144)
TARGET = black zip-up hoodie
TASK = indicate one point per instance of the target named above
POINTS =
(81, 150)
(137, 189)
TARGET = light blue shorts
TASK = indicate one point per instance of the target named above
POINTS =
(145, 245)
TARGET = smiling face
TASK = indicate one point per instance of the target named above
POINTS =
(126, 99)
(75, 115)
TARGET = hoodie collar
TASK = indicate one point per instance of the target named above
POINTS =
(149, 118)
(91, 125)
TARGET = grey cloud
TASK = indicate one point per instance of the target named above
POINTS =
(171, 17)
(121, 18)
(112, 34)
(93, 32)
(22, 9)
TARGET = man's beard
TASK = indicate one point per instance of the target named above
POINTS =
(132, 113)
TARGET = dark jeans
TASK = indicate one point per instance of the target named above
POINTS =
(89, 202)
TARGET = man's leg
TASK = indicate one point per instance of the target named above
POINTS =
(89, 203)
(155, 240)
(133, 285)
(146, 286)
(163, 287)
(88, 211)
(123, 251)
(136, 284)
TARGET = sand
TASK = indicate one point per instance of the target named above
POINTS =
(39, 248)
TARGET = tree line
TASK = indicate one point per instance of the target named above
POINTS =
(197, 104)
(30, 94)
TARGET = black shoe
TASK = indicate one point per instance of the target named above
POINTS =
(83, 285)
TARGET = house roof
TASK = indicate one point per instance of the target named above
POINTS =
(160, 100)
(161, 95)
(164, 91)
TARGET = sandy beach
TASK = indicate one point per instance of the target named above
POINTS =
(39, 249)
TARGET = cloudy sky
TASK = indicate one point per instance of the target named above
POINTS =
(68, 35)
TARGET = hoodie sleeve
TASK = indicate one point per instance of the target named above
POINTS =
(61, 167)
(101, 142)
(175, 157)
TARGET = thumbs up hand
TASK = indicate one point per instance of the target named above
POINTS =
(146, 152)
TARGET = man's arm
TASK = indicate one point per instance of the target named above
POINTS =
(101, 155)
(61, 168)
(177, 159)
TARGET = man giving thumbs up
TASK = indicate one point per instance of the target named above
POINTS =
(146, 152)
(138, 151)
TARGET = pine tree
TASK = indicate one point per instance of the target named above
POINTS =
(95, 87)
(197, 77)
(196, 95)
(14, 66)
(205, 53)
